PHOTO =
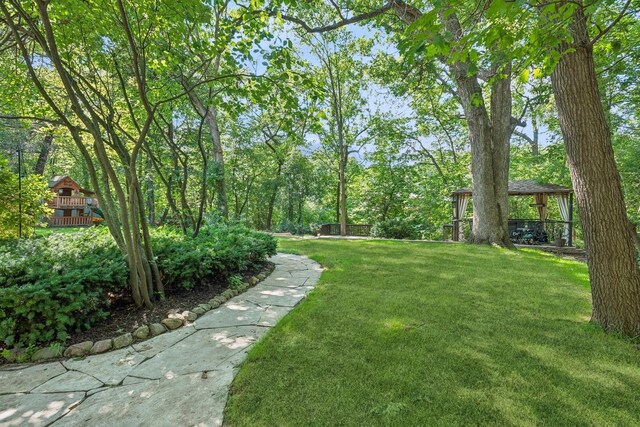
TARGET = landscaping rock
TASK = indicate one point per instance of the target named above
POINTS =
(198, 311)
(122, 341)
(172, 322)
(214, 303)
(243, 287)
(262, 276)
(101, 346)
(192, 315)
(142, 332)
(157, 329)
(205, 307)
(228, 294)
(79, 350)
(253, 280)
(175, 316)
(46, 353)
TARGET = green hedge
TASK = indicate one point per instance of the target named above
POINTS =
(63, 283)
(185, 262)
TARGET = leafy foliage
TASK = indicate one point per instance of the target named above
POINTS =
(63, 283)
(396, 228)
(58, 284)
(30, 193)
(188, 262)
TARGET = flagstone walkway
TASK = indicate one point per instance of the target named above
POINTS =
(180, 378)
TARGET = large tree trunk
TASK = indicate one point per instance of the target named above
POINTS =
(43, 156)
(611, 257)
(489, 140)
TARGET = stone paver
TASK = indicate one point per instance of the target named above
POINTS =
(36, 409)
(110, 368)
(25, 380)
(69, 381)
(181, 377)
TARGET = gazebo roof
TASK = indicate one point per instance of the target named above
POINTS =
(524, 188)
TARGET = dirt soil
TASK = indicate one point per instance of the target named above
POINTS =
(125, 317)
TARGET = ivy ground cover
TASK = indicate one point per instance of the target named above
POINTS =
(399, 333)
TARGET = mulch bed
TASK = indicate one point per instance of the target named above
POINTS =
(125, 317)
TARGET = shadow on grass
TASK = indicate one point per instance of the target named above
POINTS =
(429, 334)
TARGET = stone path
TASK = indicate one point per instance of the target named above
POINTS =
(180, 378)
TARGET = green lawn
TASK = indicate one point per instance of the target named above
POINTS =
(53, 230)
(418, 334)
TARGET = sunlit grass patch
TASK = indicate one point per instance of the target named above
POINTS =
(399, 333)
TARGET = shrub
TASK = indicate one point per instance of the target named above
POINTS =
(62, 283)
(315, 228)
(293, 228)
(216, 252)
(55, 285)
(396, 228)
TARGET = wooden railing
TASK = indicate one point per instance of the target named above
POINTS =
(69, 221)
(72, 201)
(352, 229)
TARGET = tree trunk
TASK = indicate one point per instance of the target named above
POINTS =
(611, 258)
(210, 115)
(343, 190)
(272, 198)
(489, 140)
(44, 154)
(151, 194)
(218, 161)
(338, 202)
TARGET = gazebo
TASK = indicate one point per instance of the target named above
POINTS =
(527, 231)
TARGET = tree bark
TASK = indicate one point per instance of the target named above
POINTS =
(489, 140)
(272, 197)
(210, 115)
(43, 156)
(343, 189)
(611, 258)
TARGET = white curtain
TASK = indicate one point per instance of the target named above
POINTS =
(463, 201)
(563, 206)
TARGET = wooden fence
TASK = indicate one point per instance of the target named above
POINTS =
(352, 230)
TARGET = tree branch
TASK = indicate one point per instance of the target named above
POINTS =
(613, 23)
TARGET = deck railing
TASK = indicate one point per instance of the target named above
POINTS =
(522, 231)
(69, 221)
(72, 201)
(352, 229)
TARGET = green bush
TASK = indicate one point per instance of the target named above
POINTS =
(33, 190)
(289, 227)
(216, 252)
(55, 285)
(63, 283)
(396, 228)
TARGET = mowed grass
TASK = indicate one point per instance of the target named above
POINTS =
(56, 230)
(418, 334)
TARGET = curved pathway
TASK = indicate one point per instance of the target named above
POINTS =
(180, 378)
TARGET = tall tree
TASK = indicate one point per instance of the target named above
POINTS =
(490, 128)
(611, 255)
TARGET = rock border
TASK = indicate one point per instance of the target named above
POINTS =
(172, 322)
